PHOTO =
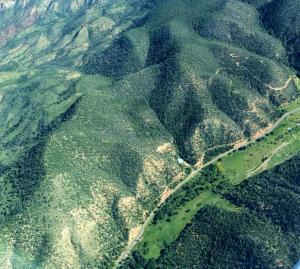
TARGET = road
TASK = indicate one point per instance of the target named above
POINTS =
(263, 166)
(282, 87)
(138, 237)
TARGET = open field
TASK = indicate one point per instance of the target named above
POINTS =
(174, 224)
(278, 146)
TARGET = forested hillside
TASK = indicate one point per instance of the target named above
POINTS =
(282, 19)
(105, 104)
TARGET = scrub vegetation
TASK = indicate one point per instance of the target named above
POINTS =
(105, 105)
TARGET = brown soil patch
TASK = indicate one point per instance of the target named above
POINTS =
(262, 132)
(165, 194)
(240, 143)
(179, 176)
(133, 234)
(166, 148)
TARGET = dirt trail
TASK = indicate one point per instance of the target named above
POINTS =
(282, 87)
(264, 164)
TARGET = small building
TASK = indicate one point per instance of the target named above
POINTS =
(180, 160)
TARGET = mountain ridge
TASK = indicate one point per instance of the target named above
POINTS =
(104, 104)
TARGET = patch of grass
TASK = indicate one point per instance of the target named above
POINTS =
(167, 230)
(278, 146)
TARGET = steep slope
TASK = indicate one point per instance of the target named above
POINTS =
(282, 19)
(217, 73)
(77, 193)
(99, 100)
(82, 158)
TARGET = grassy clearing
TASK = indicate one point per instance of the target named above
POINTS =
(167, 230)
(293, 140)
(5, 76)
(273, 149)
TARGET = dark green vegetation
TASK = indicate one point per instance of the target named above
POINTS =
(98, 99)
(282, 19)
